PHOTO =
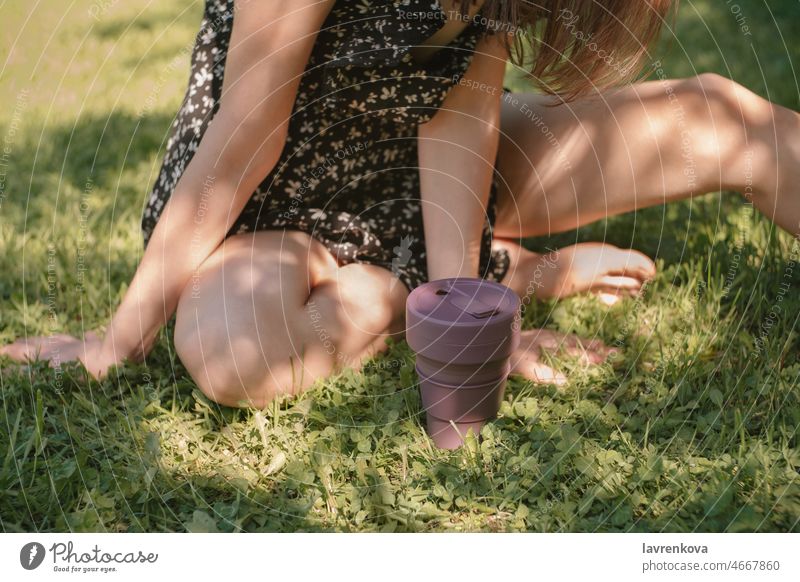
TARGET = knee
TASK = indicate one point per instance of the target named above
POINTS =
(714, 89)
(231, 365)
(204, 350)
(716, 113)
(728, 103)
(737, 122)
(712, 84)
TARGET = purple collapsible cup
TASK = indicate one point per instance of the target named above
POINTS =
(463, 332)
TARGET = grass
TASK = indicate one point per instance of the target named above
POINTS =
(695, 429)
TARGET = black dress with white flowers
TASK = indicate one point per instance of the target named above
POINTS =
(348, 174)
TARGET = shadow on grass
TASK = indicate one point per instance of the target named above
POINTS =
(742, 41)
(82, 180)
(147, 452)
(154, 18)
(99, 148)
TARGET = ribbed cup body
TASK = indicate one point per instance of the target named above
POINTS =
(463, 332)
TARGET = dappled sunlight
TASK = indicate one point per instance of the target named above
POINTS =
(691, 426)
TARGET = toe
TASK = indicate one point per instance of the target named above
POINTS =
(618, 283)
(632, 263)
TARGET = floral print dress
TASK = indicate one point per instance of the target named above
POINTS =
(348, 174)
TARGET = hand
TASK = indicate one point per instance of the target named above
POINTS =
(60, 348)
(535, 343)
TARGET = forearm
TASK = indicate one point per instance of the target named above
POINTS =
(269, 48)
(457, 151)
(208, 198)
(455, 179)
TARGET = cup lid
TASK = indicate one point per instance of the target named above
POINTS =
(448, 315)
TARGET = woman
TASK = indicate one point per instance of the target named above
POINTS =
(292, 196)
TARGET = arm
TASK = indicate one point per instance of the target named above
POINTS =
(270, 45)
(269, 48)
(457, 150)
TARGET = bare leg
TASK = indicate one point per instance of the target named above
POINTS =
(640, 146)
(271, 313)
(644, 145)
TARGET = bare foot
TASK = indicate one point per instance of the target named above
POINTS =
(535, 343)
(597, 268)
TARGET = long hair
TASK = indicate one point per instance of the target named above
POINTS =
(571, 47)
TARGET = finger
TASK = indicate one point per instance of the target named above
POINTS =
(533, 342)
(586, 356)
(534, 338)
(588, 352)
(620, 293)
(20, 351)
(553, 341)
(598, 355)
(627, 262)
(614, 283)
(642, 264)
(41, 347)
(567, 344)
(595, 346)
(42, 341)
(600, 347)
(612, 296)
(538, 373)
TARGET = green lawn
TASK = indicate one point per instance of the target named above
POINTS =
(695, 430)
